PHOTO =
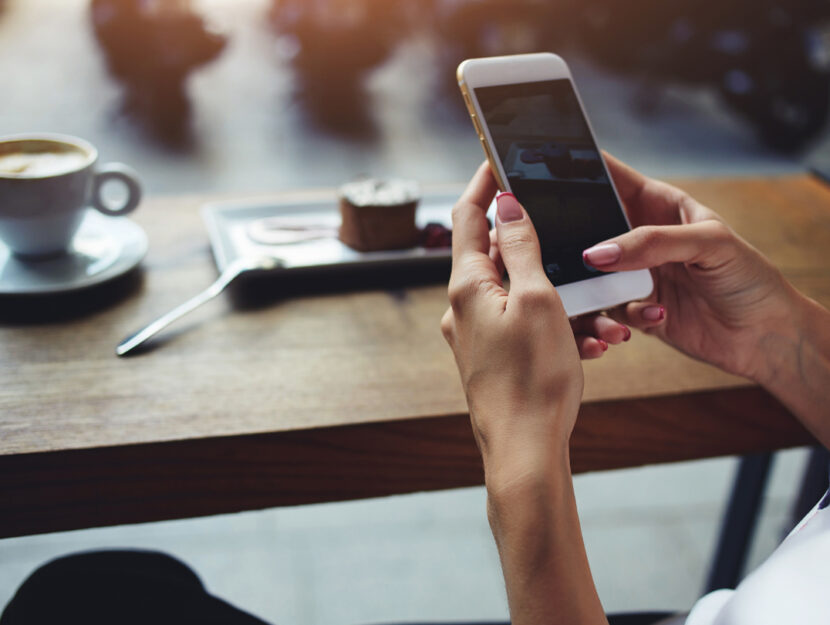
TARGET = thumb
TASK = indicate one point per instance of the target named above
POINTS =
(706, 244)
(517, 242)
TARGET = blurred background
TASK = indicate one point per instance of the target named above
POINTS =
(243, 95)
(246, 96)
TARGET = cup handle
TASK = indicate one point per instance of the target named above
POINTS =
(128, 177)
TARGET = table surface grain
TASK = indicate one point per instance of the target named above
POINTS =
(254, 399)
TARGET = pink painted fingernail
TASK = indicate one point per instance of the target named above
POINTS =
(653, 313)
(604, 254)
(627, 333)
(603, 344)
(508, 207)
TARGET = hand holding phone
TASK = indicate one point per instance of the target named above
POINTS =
(540, 146)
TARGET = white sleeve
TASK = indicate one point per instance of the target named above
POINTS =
(792, 586)
(708, 607)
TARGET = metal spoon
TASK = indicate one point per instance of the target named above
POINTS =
(231, 272)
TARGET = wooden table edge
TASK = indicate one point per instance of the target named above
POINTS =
(73, 489)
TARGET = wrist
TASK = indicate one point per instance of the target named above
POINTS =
(781, 342)
(526, 484)
(797, 365)
(534, 520)
(517, 437)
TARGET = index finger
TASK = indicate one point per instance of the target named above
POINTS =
(629, 181)
(470, 230)
(646, 201)
(482, 187)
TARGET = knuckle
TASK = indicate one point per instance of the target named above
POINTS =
(651, 236)
(718, 231)
(455, 294)
(447, 326)
(459, 208)
(720, 238)
(462, 290)
(516, 241)
(538, 298)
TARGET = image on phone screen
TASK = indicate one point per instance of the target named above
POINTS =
(554, 169)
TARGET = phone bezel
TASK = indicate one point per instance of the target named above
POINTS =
(602, 291)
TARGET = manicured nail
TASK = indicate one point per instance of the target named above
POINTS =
(627, 334)
(603, 344)
(604, 254)
(508, 207)
(653, 313)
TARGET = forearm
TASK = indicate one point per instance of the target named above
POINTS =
(534, 520)
(797, 365)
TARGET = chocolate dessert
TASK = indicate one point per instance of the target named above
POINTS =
(379, 214)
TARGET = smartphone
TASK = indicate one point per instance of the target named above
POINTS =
(540, 146)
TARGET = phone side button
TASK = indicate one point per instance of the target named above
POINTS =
(486, 148)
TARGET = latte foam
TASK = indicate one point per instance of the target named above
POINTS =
(38, 164)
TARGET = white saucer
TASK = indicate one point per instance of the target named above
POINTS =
(104, 248)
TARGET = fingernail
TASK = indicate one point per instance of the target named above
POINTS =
(603, 344)
(653, 313)
(508, 207)
(627, 334)
(604, 254)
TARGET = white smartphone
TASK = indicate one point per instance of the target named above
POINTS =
(541, 148)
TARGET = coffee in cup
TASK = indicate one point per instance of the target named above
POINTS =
(46, 184)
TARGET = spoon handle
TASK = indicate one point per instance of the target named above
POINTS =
(225, 278)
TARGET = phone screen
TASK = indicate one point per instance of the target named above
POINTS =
(554, 169)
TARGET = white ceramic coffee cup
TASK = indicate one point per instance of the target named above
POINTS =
(42, 203)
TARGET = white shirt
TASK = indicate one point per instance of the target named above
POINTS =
(791, 587)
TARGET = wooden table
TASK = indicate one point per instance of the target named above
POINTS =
(303, 395)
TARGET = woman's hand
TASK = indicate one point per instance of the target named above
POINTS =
(593, 333)
(515, 349)
(519, 364)
(716, 297)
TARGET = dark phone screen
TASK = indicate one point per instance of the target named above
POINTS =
(554, 169)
